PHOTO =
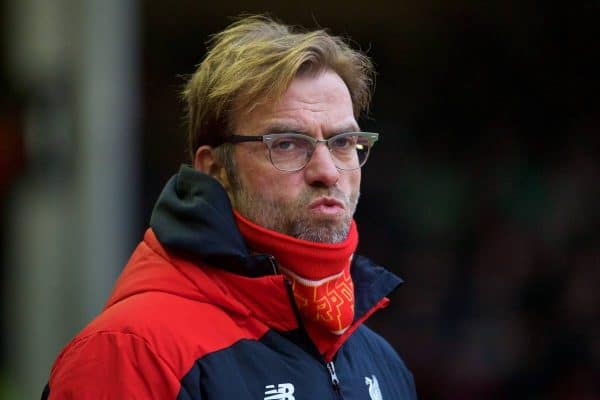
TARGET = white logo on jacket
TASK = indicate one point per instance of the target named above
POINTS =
(373, 385)
(284, 391)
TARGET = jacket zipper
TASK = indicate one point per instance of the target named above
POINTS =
(334, 379)
(335, 382)
(273, 264)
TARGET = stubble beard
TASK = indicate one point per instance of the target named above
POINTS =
(292, 218)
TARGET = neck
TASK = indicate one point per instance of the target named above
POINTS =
(310, 260)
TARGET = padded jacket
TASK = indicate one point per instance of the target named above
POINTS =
(194, 315)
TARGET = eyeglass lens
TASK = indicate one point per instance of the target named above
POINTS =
(291, 153)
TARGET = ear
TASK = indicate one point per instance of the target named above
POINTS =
(205, 160)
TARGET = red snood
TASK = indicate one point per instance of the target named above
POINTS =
(319, 273)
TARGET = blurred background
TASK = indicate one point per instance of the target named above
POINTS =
(483, 192)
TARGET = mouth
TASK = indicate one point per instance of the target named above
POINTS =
(327, 206)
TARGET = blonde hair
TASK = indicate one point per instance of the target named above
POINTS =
(256, 58)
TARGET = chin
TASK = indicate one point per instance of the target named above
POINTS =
(322, 231)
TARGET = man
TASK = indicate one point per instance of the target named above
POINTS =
(246, 285)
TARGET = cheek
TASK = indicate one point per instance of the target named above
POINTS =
(273, 185)
(264, 181)
(252, 169)
(350, 181)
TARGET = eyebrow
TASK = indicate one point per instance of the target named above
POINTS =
(284, 128)
(293, 128)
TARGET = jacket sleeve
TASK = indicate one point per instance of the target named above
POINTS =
(112, 365)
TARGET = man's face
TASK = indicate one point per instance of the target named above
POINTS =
(318, 202)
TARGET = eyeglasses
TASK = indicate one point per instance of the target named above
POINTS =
(291, 152)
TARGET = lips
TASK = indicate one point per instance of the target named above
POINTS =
(327, 205)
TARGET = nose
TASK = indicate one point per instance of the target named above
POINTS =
(321, 170)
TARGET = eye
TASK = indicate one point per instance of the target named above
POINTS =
(284, 144)
(343, 142)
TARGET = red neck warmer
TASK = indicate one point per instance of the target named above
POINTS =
(319, 273)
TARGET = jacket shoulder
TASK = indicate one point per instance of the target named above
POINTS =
(110, 365)
(150, 337)
(180, 330)
(378, 356)
(374, 343)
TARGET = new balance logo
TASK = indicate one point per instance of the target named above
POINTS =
(284, 391)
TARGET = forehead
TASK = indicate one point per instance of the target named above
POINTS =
(312, 103)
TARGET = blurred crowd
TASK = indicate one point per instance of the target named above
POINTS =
(494, 205)
(501, 256)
